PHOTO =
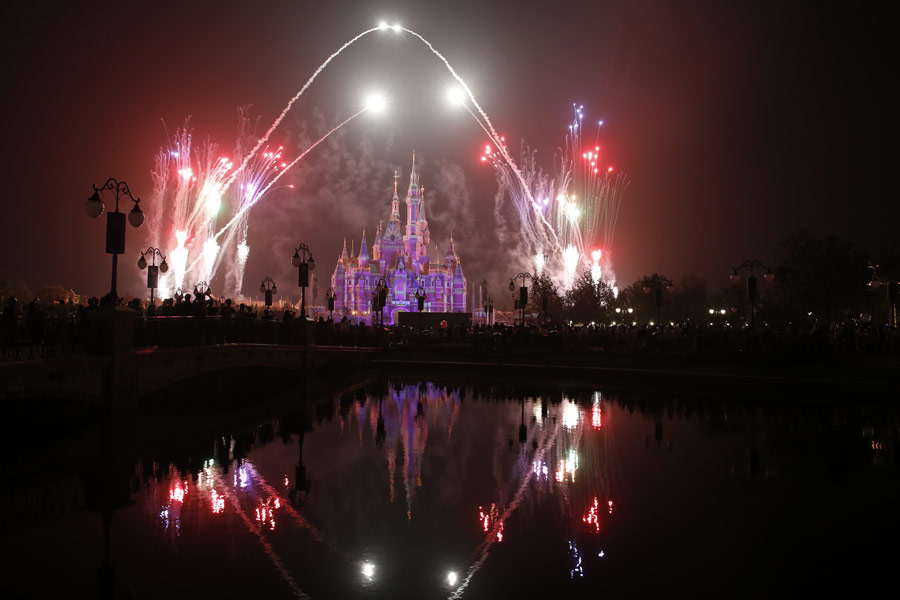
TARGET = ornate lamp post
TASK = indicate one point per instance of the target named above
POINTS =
(115, 224)
(656, 283)
(268, 288)
(751, 283)
(200, 292)
(303, 260)
(329, 296)
(523, 292)
(893, 287)
(152, 270)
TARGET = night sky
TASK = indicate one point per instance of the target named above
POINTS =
(737, 122)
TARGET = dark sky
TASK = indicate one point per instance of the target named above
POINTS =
(737, 122)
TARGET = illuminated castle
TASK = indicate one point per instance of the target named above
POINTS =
(402, 260)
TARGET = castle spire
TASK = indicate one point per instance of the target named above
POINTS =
(344, 252)
(422, 204)
(413, 176)
(363, 249)
(395, 201)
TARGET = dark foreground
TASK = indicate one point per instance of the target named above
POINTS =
(467, 486)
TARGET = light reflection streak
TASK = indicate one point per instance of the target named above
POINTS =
(577, 566)
(592, 518)
(298, 518)
(491, 538)
(267, 547)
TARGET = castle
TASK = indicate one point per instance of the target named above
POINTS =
(401, 263)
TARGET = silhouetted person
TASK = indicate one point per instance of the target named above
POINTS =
(35, 317)
(12, 310)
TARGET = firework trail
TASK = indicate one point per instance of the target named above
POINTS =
(560, 235)
(581, 201)
(250, 205)
(290, 103)
(489, 129)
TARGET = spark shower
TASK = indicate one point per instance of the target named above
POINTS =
(567, 220)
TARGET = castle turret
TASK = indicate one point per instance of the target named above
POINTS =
(376, 245)
(363, 252)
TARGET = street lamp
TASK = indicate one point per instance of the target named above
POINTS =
(152, 270)
(303, 260)
(656, 283)
(329, 296)
(200, 292)
(893, 287)
(115, 224)
(751, 283)
(523, 292)
(268, 288)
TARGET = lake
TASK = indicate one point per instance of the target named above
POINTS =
(415, 489)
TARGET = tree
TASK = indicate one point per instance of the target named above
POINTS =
(690, 302)
(587, 301)
(54, 293)
(826, 277)
(543, 288)
(18, 289)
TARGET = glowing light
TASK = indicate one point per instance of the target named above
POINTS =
(218, 502)
(578, 567)
(243, 251)
(456, 96)
(592, 518)
(397, 27)
(539, 263)
(177, 494)
(368, 570)
(376, 103)
(597, 413)
(452, 577)
(382, 26)
(570, 262)
(571, 415)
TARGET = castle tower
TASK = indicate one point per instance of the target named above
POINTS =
(411, 240)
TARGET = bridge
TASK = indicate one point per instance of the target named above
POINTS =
(122, 359)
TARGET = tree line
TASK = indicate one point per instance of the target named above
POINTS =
(816, 279)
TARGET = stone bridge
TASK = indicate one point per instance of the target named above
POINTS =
(124, 377)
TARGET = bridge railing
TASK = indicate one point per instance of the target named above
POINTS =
(40, 338)
(203, 331)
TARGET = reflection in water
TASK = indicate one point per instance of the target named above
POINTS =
(430, 491)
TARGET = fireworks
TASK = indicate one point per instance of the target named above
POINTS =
(565, 218)
(576, 230)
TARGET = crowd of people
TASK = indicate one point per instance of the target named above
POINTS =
(227, 321)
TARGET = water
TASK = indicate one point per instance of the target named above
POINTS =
(415, 490)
